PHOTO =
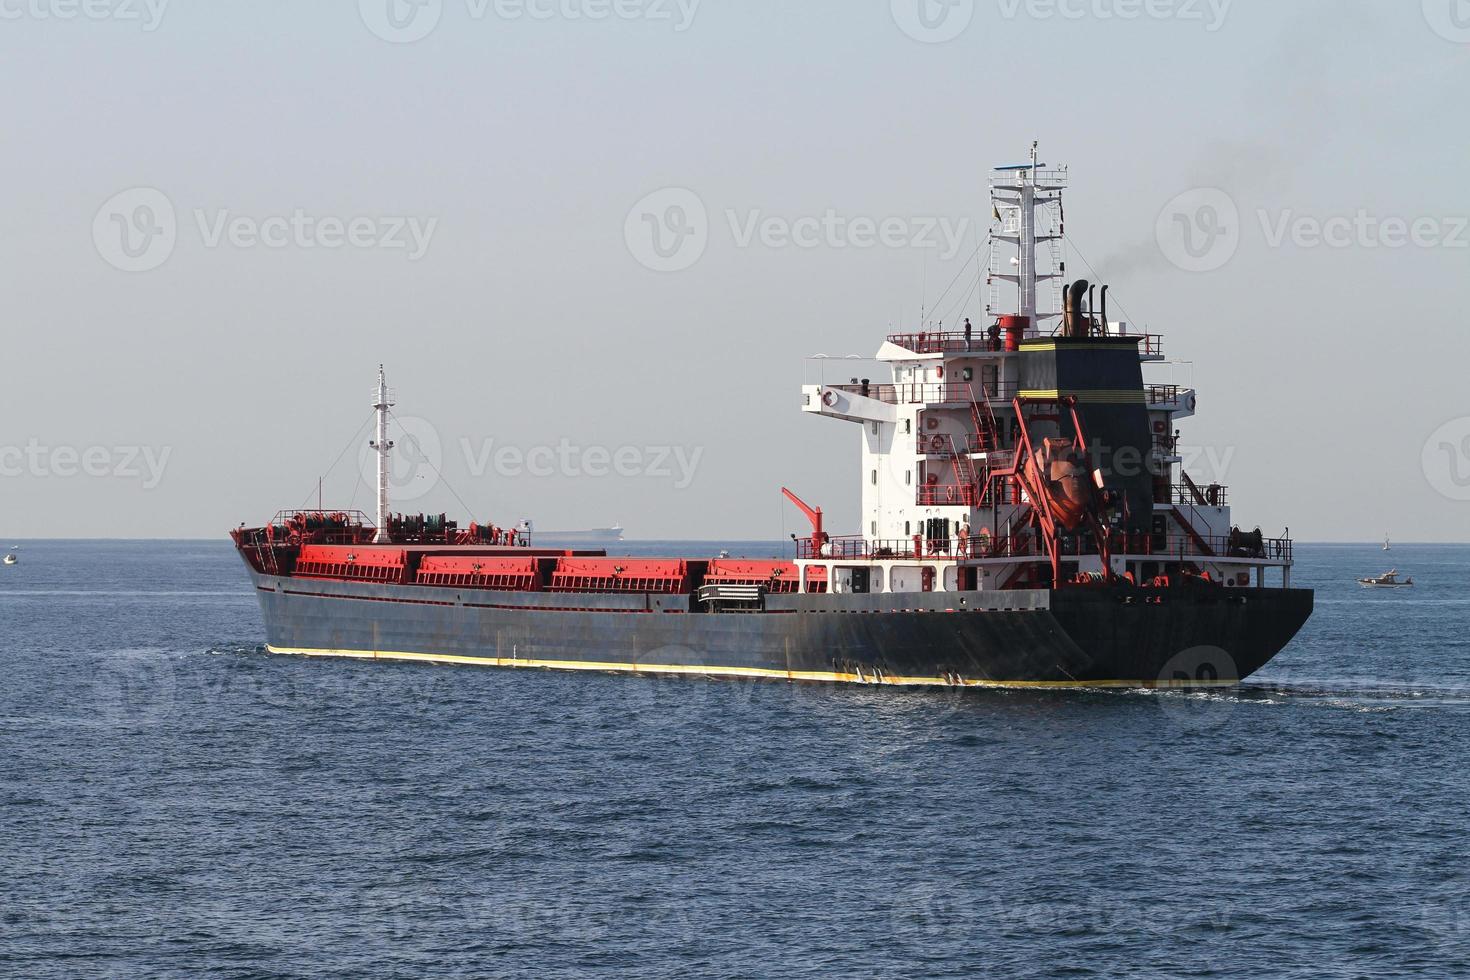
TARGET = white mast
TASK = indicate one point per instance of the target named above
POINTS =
(1026, 204)
(384, 446)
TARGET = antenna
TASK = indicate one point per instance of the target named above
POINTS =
(1026, 204)
(384, 446)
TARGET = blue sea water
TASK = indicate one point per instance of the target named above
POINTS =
(178, 803)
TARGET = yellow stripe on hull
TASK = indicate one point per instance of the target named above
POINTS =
(816, 676)
(1092, 397)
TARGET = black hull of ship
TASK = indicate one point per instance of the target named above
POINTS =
(1077, 637)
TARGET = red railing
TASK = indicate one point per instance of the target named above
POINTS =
(1150, 345)
(948, 495)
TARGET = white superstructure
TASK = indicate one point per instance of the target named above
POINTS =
(953, 438)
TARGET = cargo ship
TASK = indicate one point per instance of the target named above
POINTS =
(1027, 522)
(591, 536)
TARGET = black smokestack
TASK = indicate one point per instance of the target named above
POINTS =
(1103, 329)
(1073, 325)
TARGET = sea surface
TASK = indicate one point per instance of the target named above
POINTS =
(174, 802)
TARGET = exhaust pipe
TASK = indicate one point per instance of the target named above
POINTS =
(1073, 326)
(1104, 329)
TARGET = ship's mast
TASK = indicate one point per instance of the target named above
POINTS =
(384, 446)
(1026, 202)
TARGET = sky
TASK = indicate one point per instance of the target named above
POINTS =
(597, 242)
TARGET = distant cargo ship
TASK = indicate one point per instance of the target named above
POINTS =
(596, 535)
(1026, 522)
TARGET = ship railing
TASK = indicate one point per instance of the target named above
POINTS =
(1151, 345)
(980, 544)
(926, 394)
(1189, 495)
(1163, 394)
(947, 342)
(948, 495)
(352, 518)
(1204, 546)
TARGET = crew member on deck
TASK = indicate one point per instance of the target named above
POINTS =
(993, 333)
(968, 330)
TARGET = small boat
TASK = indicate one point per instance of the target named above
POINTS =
(11, 559)
(1388, 580)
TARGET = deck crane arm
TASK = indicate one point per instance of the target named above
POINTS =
(813, 514)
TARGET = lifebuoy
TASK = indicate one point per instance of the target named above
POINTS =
(931, 423)
(829, 398)
(951, 494)
(937, 443)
